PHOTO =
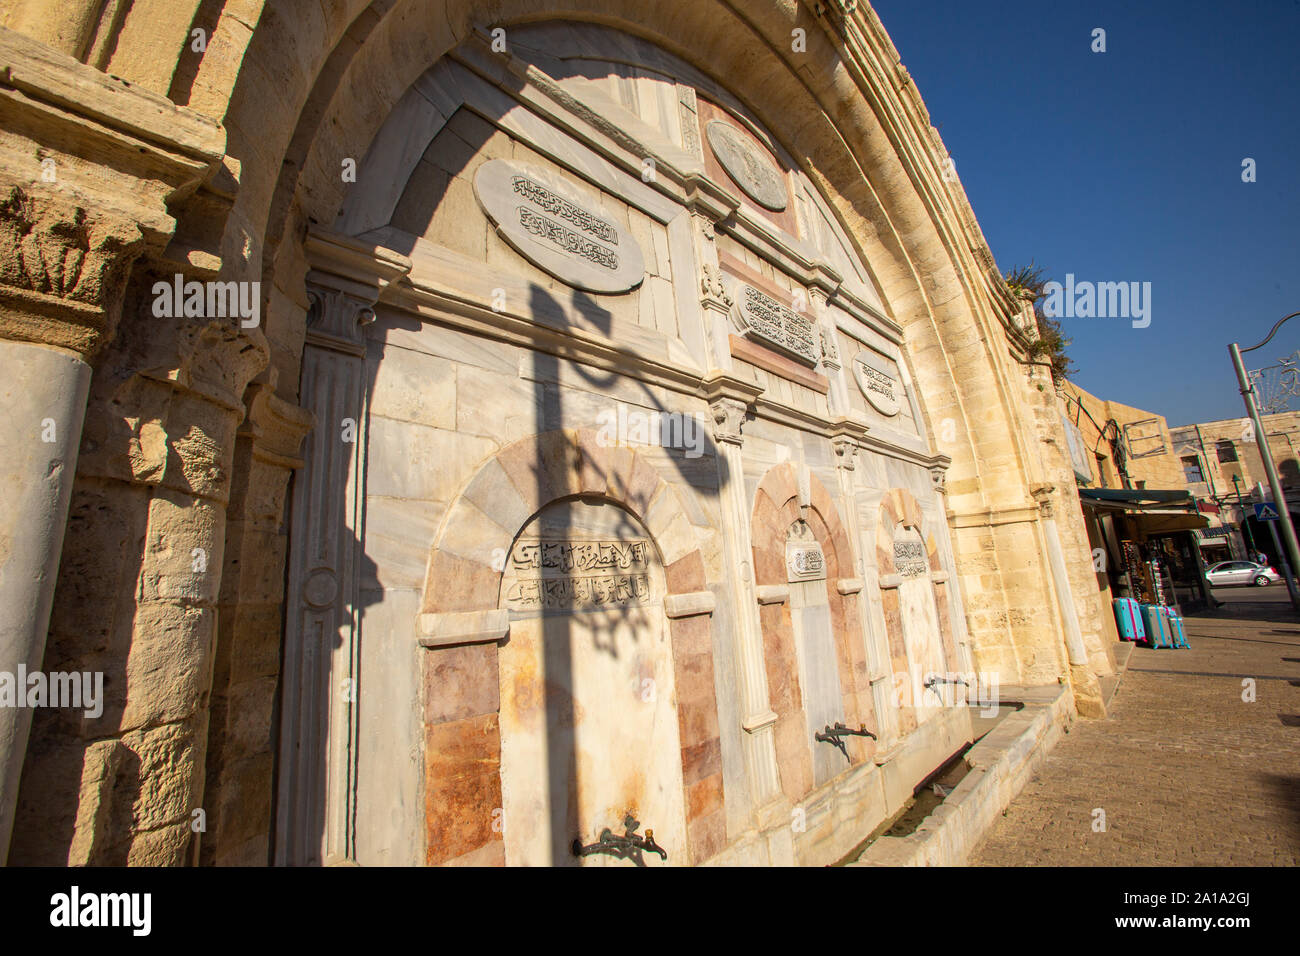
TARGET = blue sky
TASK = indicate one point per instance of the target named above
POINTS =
(1127, 166)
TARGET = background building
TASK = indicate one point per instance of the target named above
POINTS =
(1223, 469)
(1146, 527)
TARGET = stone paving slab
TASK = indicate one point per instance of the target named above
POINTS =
(1185, 770)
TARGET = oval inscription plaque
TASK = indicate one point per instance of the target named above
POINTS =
(546, 221)
(748, 165)
(880, 388)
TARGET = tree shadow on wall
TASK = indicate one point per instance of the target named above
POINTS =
(586, 392)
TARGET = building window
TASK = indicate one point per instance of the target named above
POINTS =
(1226, 450)
(1192, 470)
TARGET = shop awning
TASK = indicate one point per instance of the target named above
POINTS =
(1123, 499)
(1154, 511)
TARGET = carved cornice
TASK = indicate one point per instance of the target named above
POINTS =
(707, 198)
(838, 12)
(63, 272)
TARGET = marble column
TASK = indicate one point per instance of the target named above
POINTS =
(729, 400)
(322, 643)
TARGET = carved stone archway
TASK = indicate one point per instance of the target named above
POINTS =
(461, 624)
(778, 505)
(900, 511)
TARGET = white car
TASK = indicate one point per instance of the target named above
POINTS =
(1241, 572)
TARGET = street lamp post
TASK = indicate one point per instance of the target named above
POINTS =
(1266, 454)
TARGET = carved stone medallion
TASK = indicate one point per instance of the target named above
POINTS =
(881, 388)
(749, 166)
(545, 220)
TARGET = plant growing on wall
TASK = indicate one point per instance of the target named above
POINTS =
(1027, 282)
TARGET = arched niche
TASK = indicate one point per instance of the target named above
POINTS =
(589, 729)
(485, 705)
(915, 604)
(812, 629)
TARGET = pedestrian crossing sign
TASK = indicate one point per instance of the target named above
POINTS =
(1266, 511)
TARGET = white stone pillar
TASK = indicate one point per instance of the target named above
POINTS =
(1078, 655)
(321, 677)
(727, 402)
(44, 402)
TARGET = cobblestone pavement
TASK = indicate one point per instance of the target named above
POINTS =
(1186, 771)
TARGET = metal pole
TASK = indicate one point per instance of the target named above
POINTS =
(1286, 565)
(1265, 453)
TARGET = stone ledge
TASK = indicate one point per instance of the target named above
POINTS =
(848, 585)
(1000, 765)
(691, 604)
(772, 593)
(463, 627)
(52, 77)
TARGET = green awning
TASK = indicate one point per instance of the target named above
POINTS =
(1137, 499)
(1154, 511)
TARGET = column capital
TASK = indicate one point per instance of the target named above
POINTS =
(728, 417)
(345, 280)
(1043, 497)
(63, 271)
(729, 399)
(938, 468)
(714, 294)
(847, 435)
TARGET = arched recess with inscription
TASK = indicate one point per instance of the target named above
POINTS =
(466, 618)
(814, 649)
(913, 593)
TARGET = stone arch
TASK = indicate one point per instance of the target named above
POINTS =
(343, 72)
(900, 509)
(777, 507)
(461, 625)
(315, 86)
